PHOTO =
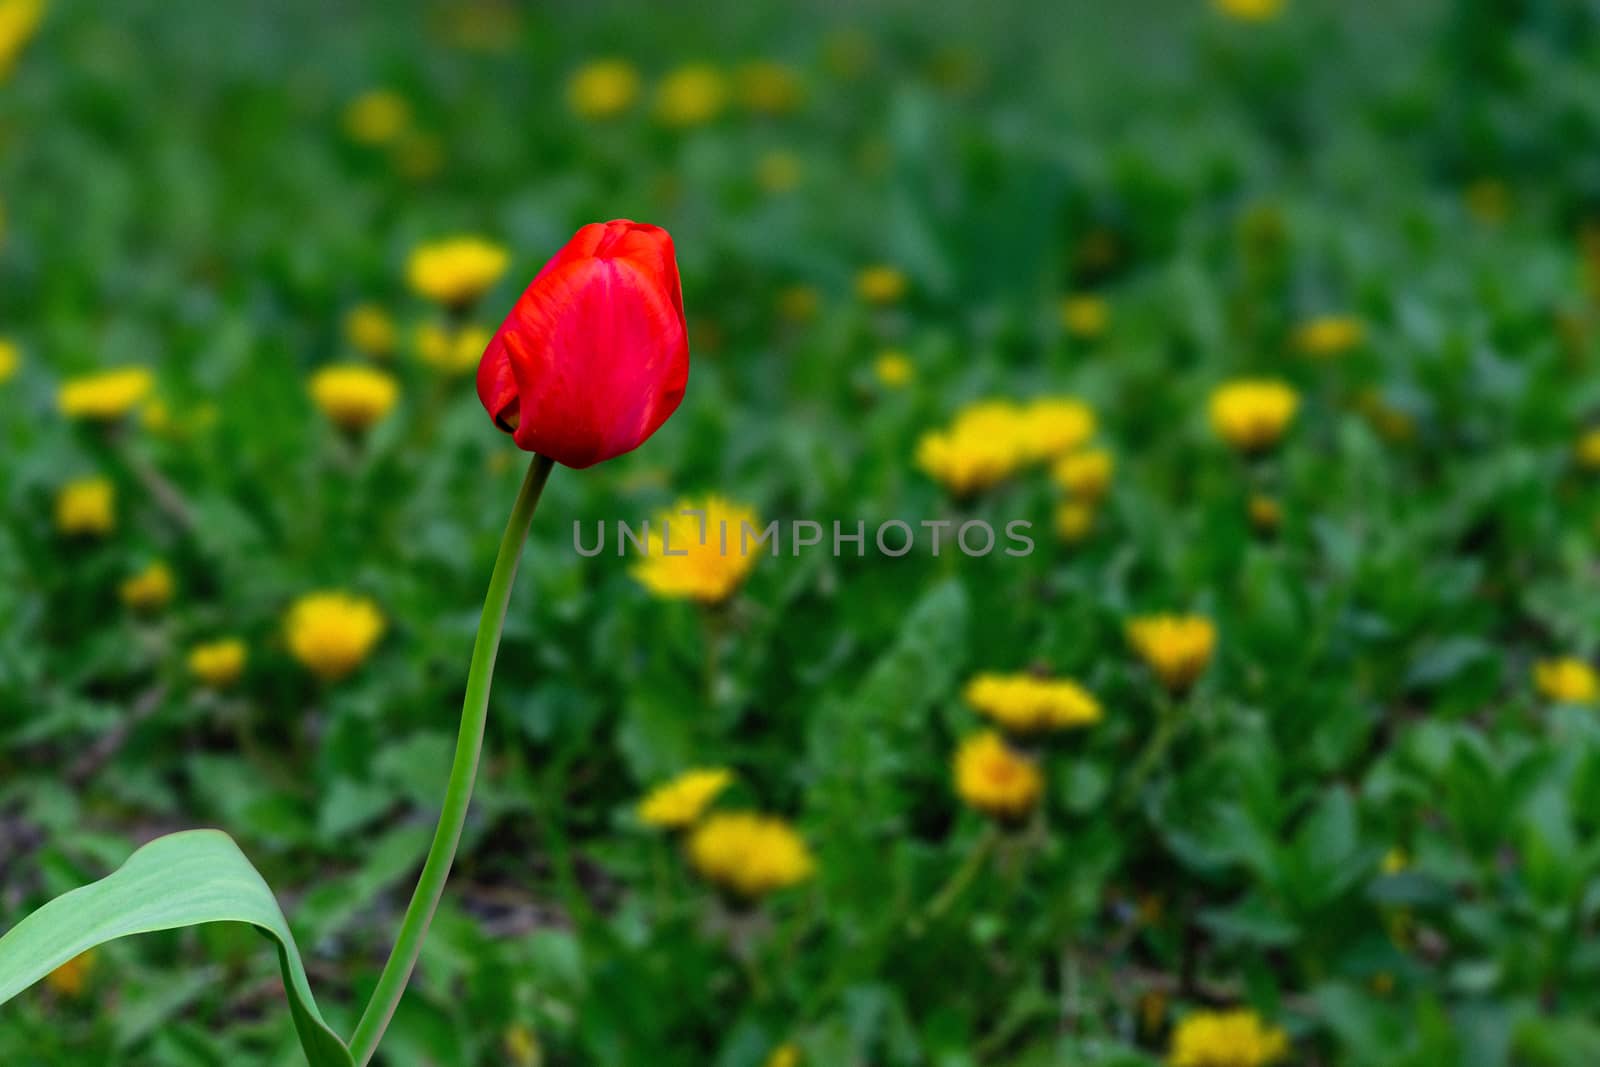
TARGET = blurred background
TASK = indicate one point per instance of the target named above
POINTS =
(940, 262)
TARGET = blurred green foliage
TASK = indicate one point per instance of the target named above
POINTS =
(179, 191)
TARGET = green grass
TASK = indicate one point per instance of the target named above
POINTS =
(178, 192)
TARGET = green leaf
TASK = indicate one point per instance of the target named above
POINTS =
(1252, 922)
(865, 740)
(183, 879)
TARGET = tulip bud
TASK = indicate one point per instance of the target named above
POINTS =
(594, 356)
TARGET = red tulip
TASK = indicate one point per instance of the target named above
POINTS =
(595, 354)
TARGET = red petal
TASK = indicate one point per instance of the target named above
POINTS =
(594, 356)
(497, 387)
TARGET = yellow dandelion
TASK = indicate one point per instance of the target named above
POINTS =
(70, 979)
(1055, 425)
(418, 156)
(86, 507)
(778, 171)
(1251, 415)
(10, 360)
(967, 464)
(331, 633)
(1235, 1038)
(1328, 336)
(1588, 450)
(1391, 423)
(377, 117)
(679, 803)
(522, 1046)
(1178, 648)
(691, 95)
(104, 396)
(873, 155)
(149, 590)
(700, 550)
(993, 418)
(881, 284)
(893, 369)
(1567, 680)
(785, 1055)
(156, 417)
(848, 53)
(799, 303)
(1589, 246)
(986, 443)
(603, 88)
(954, 68)
(1395, 860)
(457, 270)
(1097, 251)
(1086, 475)
(1266, 514)
(1152, 1011)
(768, 88)
(159, 418)
(218, 664)
(1028, 704)
(370, 331)
(749, 855)
(1085, 316)
(1488, 200)
(487, 26)
(19, 21)
(1074, 521)
(1250, 10)
(993, 778)
(450, 352)
(1262, 229)
(354, 396)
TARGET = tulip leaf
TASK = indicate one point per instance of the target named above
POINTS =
(183, 879)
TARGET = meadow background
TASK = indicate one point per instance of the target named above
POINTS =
(1370, 823)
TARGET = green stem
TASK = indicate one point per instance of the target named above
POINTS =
(962, 877)
(458, 794)
(1167, 722)
(166, 495)
(711, 618)
(563, 866)
(666, 886)
(744, 948)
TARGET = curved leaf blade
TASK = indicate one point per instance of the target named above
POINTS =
(183, 879)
